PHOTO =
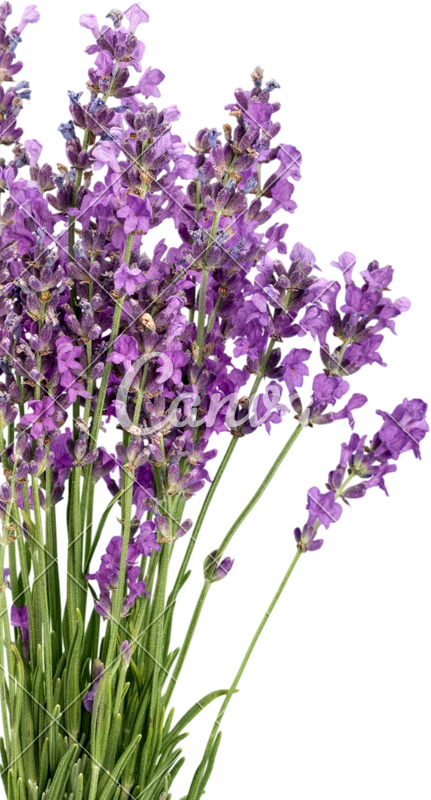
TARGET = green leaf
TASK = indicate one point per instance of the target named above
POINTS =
(192, 713)
(99, 716)
(79, 787)
(121, 764)
(60, 667)
(85, 678)
(166, 773)
(61, 776)
(137, 675)
(91, 638)
(111, 750)
(5, 761)
(29, 522)
(34, 790)
(57, 692)
(53, 734)
(61, 746)
(21, 789)
(73, 670)
(168, 722)
(204, 770)
(11, 786)
(167, 665)
(44, 766)
(54, 647)
(27, 734)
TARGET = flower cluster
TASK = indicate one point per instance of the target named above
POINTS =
(168, 350)
(107, 573)
(401, 431)
(92, 322)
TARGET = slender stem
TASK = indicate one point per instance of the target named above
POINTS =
(209, 496)
(88, 490)
(194, 792)
(51, 547)
(89, 354)
(42, 581)
(140, 394)
(261, 372)
(197, 215)
(213, 315)
(71, 219)
(198, 199)
(187, 641)
(256, 636)
(119, 594)
(203, 288)
(340, 491)
(257, 495)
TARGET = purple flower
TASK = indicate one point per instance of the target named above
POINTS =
(136, 214)
(306, 540)
(402, 430)
(108, 573)
(136, 16)
(295, 370)
(30, 15)
(125, 351)
(128, 278)
(34, 149)
(322, 507)
(125, 651)
(327, 389)
(148, 85)
(105, 64)
(40, 419)
(19, 619)
(146, 541)
(90, 21)
(224, 568)
(98, 670)
(67, 354)
(67, 130)
(6, 576)
(63, 461)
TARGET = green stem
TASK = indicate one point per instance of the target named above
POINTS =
(258, 494)
(89, 354)
(203, 288)
(140, 394)
(195, 792)
(340, 491)
(211, 491)
(187, 641)
(42, 581)
(97, 417)
(119, 594)
(213, 315)
(198, 200)
(220, 550)
(51, 547)
(71, 220)
(202, 514)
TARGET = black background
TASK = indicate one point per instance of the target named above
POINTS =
(299, 726)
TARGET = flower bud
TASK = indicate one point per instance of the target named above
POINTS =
(183, 528)
(97, 371)
(216, 570)
(5, 493)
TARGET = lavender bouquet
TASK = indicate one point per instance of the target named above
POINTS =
(168, 351)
